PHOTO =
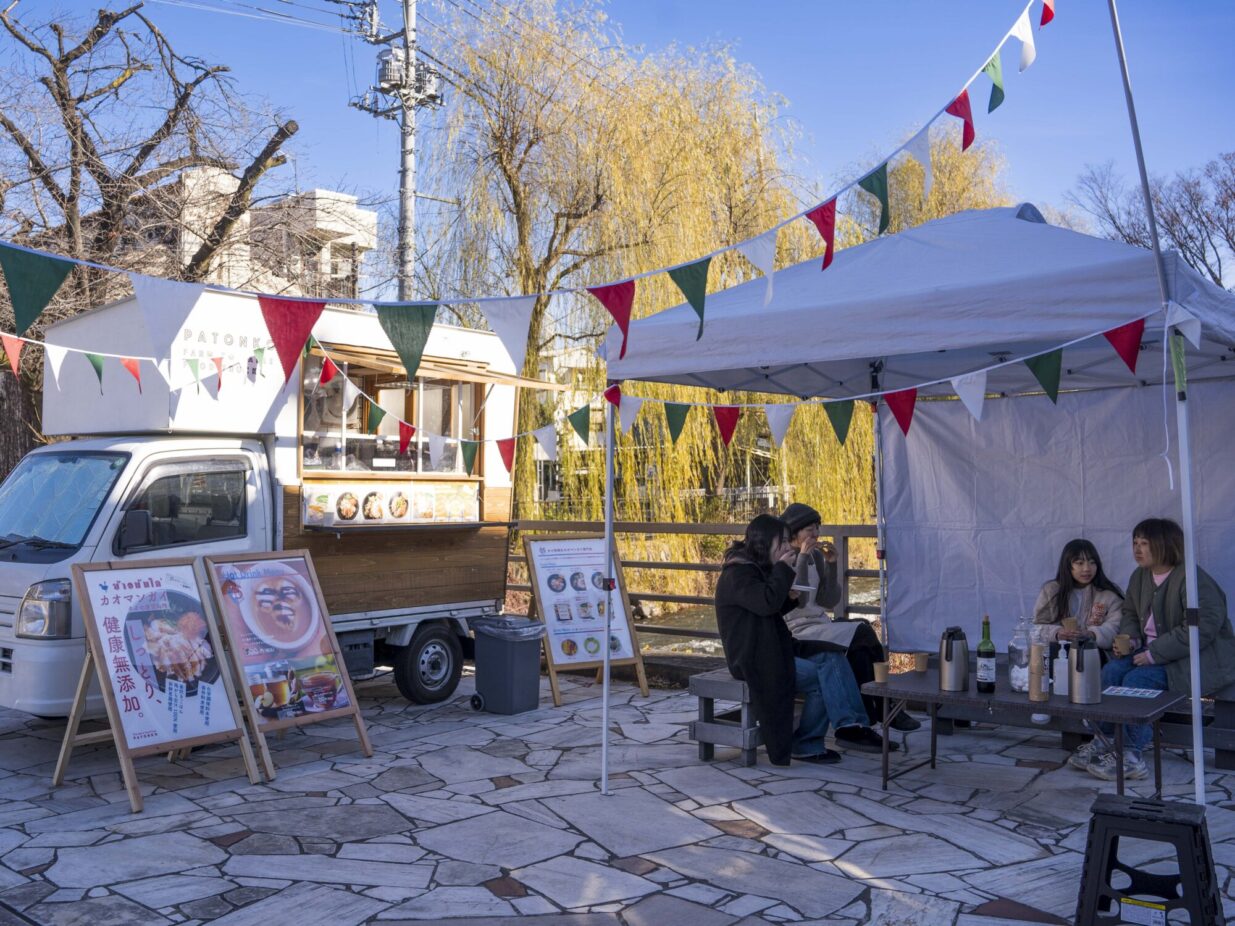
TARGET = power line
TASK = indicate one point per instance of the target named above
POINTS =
(262, 16)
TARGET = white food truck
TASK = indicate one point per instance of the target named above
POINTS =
(214, 454)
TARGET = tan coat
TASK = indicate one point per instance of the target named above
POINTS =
(1048, 627)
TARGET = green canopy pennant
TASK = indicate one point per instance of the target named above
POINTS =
(581, 420)
(468, 449)
(876, 183)
(196, 371)
(408, 325)
(994, 70)
(1047, 368)
(841, 415)
(692, 280)
(675, 415)
(376, 414)
(97, 362)
(32, 279)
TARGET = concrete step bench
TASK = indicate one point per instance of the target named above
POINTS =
(735, 728)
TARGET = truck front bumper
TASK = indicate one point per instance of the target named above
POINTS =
(40, 676)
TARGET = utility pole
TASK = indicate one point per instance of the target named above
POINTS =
(403, 85)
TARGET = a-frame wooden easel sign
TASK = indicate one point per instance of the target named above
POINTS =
(155, 648)
(567, 572)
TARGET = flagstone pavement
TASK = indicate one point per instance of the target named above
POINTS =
(472, 818)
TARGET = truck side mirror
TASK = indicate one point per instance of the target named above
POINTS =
(136, 530)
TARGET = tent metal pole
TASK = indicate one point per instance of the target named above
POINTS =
(880, 537)
(1181, 425)
(610, 579)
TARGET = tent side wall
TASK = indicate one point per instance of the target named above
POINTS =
(977, 512)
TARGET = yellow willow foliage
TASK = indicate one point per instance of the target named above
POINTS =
(579, 161)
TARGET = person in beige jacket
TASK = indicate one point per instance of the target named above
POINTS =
(1081, 591)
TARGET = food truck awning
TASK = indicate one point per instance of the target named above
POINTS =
(387, 361)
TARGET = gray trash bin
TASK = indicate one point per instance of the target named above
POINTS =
(507, 664)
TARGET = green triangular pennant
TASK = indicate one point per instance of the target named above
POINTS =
(97, 362)
(994, 70)
(197, 376)
(840, 414)
(692, 280)
(675, 415)
(376, 414)
(1178, 363)
(468, 448)
(581, 420)
(407, 325)
(33, 279)
(876, 183)
(1046, 369)
(309, 344)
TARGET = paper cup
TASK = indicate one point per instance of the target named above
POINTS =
(881, 672)
(1122, 644)
(1069, 623)
(921, 661)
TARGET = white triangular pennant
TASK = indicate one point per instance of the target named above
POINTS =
(437, 449)
(779, 417)
(55, 358)
(510, 320)
(628, 411)
(761, 252)
(1187, 323)
(547, 438)
(351, 392)
(971, 389)
(919, 148)
(173, 403)
(1023, 31)
(165, 305)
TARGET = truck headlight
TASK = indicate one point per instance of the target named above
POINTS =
(46, 611)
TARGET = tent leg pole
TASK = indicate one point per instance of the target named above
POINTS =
(611, 577)
(1181, 424)
(880, 538)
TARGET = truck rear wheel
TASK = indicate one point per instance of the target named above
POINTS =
(427, 670)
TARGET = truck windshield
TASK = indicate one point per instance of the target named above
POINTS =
(51, 499)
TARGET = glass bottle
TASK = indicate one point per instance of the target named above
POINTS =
(1018, 656)
(986, 659)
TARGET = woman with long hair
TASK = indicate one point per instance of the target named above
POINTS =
(1081, 591)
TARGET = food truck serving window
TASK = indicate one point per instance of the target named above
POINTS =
(340, 432)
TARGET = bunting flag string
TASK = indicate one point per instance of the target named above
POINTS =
(511, 321)
(407, 325)
(961, 110)
(761, 251)
(468, 449)
(96, 361)
(12, 350)
(1126, 339)
(726, 420)
(692, 280)
(994, 70)
(919, 148)
(779, 417)
(406, 433)
(33, 278)
(506, 447)
(824, 218)
(618, 299)
(290, 322)
(1023, 31)
(613, 395)
(876, 183)
(901, 403)
(628, 411)
(1048, 12)
(328, 371)
(581, 420)
(547, 438)
(437, 450)
(675, 418)
(134, 367)
(840, 414)
(1046, 369)
(971, 390)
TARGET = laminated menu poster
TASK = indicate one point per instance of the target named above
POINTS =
(568, 581)
(158, 656)
(344, 506)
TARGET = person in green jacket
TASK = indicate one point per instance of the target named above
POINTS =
(1153, 617)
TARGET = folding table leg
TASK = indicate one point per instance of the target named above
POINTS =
(886, 737)
(934, 732)
(1157, 760)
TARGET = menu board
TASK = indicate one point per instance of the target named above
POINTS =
(570, 593)
(157, 653)
(343, 505)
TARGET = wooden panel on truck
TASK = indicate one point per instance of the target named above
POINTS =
(409, 567)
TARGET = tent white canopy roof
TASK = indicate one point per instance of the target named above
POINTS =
(949, 297)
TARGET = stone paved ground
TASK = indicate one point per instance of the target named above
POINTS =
(477, 818)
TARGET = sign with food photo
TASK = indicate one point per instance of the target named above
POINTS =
(341, 506)
(288, 660)
(162, 661)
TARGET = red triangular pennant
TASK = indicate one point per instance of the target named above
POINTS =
(961, 110)
(824, 218)
(1048, 12)
(1126, 339)
(328, 371)
(406, 432)
(289, 322)
(12, 350)
(135, 368)
(613, 395)
(901, 404)
(726, 420)
(617, 298)
(218, 370)
(506, 447)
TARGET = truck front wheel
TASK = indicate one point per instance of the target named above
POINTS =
(427, 670)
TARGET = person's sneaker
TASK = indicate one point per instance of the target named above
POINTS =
(827, 757)
(1104, 766)
(863, 739)
(1086, 753)
(905, 722)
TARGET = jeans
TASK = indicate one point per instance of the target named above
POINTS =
(830, 694)
(1122, 671)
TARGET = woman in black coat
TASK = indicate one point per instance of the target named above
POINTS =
(751, 596)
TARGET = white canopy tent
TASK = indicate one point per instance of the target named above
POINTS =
(980, 290)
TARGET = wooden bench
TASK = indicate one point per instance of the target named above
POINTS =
(735, 728)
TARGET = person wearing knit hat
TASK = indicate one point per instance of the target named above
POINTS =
(815, 633)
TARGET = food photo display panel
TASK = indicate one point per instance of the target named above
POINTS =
(284, 652)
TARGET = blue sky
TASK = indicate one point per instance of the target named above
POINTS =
(857, 75)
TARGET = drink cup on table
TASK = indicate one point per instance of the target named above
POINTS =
(920, 661)
(1122, 644)
(1069, 624)
(881, 672)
